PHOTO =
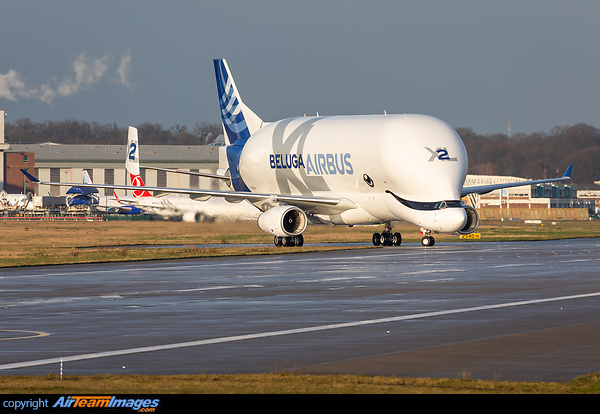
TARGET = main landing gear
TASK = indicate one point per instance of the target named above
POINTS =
(387, 238)
(289, 241)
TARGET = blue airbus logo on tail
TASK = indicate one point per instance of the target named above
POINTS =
(234, 123)
(231, 114)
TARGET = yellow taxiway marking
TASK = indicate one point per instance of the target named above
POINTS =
(35, 334)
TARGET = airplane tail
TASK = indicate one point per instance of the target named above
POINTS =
(239, 122)
(132, 163)
(86, 177)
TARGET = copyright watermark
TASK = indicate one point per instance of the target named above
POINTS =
(31, 404)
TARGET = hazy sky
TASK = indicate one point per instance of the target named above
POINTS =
(470, 63)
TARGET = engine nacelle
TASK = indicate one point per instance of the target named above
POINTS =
(283, 221)
(472, 220)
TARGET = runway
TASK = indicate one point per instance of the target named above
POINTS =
(510, 311)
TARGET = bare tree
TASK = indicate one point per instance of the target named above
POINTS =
(207, 132)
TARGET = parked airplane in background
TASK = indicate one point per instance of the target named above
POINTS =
(347, 170)
(109, 204)
(176, 206)
(15, 201)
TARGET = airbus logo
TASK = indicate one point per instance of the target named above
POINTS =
(440, 154)
(316, 164)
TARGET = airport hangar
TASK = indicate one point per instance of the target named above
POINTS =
(106, 165)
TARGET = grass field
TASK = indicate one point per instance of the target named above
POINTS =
(284, 383)
(29, 243)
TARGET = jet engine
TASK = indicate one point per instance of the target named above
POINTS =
(472, 220)
(283, 221)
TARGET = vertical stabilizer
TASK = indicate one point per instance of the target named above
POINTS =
(239, 122)
(86, 177)
(132, 163)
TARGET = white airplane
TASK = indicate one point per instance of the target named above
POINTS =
(15, 201)
(344, 170)
(176, 206)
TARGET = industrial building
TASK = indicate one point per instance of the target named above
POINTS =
(106, 165)
(534, 196)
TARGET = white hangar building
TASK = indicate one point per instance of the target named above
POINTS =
(106, 165)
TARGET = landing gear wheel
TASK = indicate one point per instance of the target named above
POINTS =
(397, 239)
(289, 241)
(376, 239)
(427, 241)
(385, 239)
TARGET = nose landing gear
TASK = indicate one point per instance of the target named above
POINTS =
(427, 239)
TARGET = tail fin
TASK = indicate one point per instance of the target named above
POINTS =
(132, 163)
(239, 122)
(86, 177)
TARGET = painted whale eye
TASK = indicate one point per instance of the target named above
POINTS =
(368, 180)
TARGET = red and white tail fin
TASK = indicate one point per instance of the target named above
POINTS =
(132, 163)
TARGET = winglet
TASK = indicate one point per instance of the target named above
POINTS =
(31, 177)
(567, 173)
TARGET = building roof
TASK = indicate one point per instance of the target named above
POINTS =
(67, 153)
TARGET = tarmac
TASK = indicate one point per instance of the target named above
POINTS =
(522, 311)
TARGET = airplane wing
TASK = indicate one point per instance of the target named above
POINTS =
(316, 205)
(199, 174)
(484, 189)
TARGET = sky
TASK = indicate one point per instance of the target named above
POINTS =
(470, 63)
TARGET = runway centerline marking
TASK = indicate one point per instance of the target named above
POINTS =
(289, 331)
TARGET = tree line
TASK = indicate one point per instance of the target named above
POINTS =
(536, 155)
(70, 131)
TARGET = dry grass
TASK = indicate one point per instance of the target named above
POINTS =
(27, 243)
(283, 383)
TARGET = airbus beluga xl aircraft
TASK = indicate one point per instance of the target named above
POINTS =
(345, 170)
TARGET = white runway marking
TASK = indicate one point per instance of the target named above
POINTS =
(288, 332)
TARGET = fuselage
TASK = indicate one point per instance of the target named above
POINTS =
(393, 167)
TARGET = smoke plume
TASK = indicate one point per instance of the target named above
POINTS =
(87, 72)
